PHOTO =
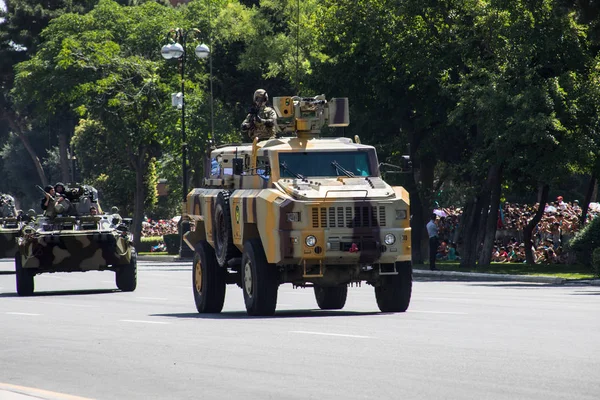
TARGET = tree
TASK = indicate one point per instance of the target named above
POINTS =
(107, 64)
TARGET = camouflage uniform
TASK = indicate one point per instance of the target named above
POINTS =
(261, 122)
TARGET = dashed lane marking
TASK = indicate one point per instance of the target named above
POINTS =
(22, 313)
(333, 334)
(21, 300)
(139, 321)
(152, 298)
(438, 312)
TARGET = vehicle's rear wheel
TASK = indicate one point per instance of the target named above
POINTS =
(208, 280)
(394, 291)
(222, 231)
(331, 298)
(25, 282)
(126, 275)
(260, 280)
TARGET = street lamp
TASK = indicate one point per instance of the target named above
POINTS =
(177, 49)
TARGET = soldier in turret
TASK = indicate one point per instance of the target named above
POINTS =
(261, 121)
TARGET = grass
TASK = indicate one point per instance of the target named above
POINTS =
(566, 271)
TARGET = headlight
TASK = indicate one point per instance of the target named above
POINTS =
(310, 240)
(389, 239)
(400, 214)
(293, 217)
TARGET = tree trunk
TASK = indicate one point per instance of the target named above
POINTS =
(426, 197)
(528, 230)
(469, 240)
(588, 198)
(492, 220)
(15, 126)
(483, 217)
(138, 197)
(63, 151)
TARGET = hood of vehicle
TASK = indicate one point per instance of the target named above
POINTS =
(335, 188)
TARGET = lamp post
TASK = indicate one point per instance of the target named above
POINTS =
(177, 49)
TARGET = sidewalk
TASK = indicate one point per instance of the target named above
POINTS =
(475, 276)
(443, 275)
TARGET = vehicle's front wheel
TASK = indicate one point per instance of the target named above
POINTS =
(25, 283)
(260, 280)
(208, 280)
(394, 291)
(331, 298)
(126, 275)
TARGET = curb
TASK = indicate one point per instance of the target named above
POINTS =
(473, 276)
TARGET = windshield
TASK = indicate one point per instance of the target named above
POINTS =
(324, 163)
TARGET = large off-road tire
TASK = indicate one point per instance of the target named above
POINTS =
(222, 231)
(208, 280)
(331, 298)
(25, 283)
(126, 275)
(394, 291)
(260, 280)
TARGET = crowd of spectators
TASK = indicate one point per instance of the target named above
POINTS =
(158, 227)
(559, 223)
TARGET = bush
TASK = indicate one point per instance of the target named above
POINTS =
(596, 262)
(147, 243)
(586, 241)
(172, 242)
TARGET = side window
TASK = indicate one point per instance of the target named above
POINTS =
(263, 167)
(215, 167)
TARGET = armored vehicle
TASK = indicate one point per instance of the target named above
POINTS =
(74, 235)
(303, 209)
(9, 226)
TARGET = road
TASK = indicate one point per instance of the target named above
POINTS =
(459, 340)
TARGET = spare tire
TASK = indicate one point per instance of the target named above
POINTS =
(222, 231)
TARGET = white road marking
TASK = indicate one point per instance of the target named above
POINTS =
(439, 312)
(21, 300)
(152, 298)
(139, 321)
(22, 313)
(333, 334)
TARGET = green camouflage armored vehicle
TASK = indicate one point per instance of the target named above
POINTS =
(74, 235)
(9, 226)
(304, 210)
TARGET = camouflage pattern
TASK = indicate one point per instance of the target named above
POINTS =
(258, 129)
(68, 239)
(348, 216)
(9, 226)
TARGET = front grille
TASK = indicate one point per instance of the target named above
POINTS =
(348, 217)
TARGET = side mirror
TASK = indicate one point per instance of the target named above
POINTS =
(238, 166)
(406, 164)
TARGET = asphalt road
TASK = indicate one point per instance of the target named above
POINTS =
(458, 340)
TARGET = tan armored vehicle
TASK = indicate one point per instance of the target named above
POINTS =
(9, 226)
(74, 235)
(303, 210)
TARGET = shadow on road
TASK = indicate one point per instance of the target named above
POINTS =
(279, 314)
(64, 293)
(7, 272)
(517, 285)
(586, 294)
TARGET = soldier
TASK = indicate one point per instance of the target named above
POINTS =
(261, 121)
(48, 196)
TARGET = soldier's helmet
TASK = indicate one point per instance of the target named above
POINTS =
(261, 96)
